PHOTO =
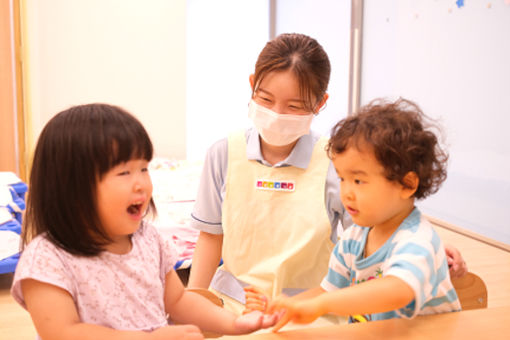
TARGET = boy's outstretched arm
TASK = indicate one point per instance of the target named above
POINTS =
(256, 300)
(191, 308)
(374, 296)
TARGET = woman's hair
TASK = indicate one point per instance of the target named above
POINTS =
(304, 56)
(75, 149)
(401, 138)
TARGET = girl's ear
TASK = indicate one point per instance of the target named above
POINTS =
(321, 103)
(252, 80)
(411, 182)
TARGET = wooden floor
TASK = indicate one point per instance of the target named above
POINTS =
(490, 263)
(15, 322)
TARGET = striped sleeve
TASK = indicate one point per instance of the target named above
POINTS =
(421, 263)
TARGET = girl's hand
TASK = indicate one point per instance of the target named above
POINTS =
(458, 267)
(255, 300)
(298, 311)
(253, 321)
(187, 332)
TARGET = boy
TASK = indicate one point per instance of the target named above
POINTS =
(390, 263)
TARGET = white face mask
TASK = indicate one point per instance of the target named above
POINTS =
(278, 129)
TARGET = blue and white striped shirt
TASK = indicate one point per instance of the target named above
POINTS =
(414, 253)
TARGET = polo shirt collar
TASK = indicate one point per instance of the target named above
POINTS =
(299, 157)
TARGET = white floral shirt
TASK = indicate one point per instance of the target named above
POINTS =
(124, 292)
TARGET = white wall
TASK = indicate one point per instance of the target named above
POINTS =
(454, 62)
(181, 66)
(129, 53)
(224, 38)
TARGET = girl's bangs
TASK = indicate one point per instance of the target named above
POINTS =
(125, 143)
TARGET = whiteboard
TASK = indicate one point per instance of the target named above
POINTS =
(453, 59)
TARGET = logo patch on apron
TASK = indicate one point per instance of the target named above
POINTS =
(266, 184)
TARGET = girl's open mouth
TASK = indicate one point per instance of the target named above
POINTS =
(135, 209)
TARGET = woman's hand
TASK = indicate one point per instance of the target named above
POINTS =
(458, 267)
(255, 300)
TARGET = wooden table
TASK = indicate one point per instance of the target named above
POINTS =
(488, 323)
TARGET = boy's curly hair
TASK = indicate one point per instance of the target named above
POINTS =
(401, 138)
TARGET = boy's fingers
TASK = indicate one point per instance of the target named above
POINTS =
(268, 320)
(282, 322)
(275, 305)
(270, 309)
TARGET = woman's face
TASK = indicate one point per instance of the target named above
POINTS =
(279, 91)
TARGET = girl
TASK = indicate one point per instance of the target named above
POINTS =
(94, 269)
(269, 201)
(390, 263)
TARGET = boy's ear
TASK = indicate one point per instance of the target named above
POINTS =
(411, 182)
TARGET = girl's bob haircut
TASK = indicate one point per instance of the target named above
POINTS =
(75, 149)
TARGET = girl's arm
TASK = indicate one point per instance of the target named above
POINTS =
(188, 307)
(374, 296)
(55, 317)
(206, 258)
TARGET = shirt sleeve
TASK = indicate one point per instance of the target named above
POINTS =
(41, 261)
(414, 262)
(206, 215)
(168, 252)
(338, 275)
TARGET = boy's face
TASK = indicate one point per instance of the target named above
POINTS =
(369, 197)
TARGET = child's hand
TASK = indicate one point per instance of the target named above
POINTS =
(253, 321)
(255, 300)
(289, 309)
(456, 263)
(187, 332)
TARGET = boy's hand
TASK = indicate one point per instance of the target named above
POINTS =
(253, 321)
(298, 311)
(255, 300)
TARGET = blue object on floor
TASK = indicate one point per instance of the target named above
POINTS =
(8, 265)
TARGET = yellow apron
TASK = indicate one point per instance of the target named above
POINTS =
(276, 231)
